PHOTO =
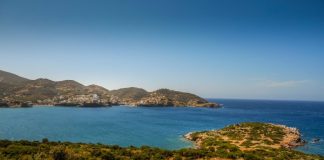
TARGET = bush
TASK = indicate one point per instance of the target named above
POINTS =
(44, 140)
(107, 156)
(59, 153)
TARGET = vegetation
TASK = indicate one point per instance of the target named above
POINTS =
(212, 147)
(251, 140)
(251, 135)
(166, 97)
(26, 150)
(131, 93)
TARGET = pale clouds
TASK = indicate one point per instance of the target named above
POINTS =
(283, 84)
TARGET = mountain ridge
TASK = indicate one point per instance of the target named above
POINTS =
(16, 90)
(7, 77)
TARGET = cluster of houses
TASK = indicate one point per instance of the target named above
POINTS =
(82, 100)
(91, 100)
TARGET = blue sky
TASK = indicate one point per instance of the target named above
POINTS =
(255, 49)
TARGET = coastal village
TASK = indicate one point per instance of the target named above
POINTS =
(17, 91)
(93, 100)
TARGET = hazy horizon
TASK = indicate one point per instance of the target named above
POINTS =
(252, 50)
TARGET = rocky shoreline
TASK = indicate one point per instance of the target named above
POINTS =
(244, 141)
(95, 105)
(292, 137)
(15, 104)
(159, 98)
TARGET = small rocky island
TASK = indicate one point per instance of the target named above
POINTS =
(245, 141)
(16, 91)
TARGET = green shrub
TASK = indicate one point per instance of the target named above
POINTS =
(59, 153)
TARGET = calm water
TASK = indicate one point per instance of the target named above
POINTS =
(160, 127)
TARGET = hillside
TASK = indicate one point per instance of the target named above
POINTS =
(44, 91)
(129, 95)
(16, 90)
(9, 78)
(9, 82)
(166, 97)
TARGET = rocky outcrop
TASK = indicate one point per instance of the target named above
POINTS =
(95, 105)
(67, 104)
(26, 104)
(16, 104)
(3, 104)
(292, 137)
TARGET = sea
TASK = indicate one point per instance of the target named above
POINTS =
(162, 127)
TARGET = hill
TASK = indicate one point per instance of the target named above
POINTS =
(167, 97)
(9, 78)
(16, 90)
(129, 95)
(9, 81)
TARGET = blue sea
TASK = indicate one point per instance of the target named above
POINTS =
(157, 126)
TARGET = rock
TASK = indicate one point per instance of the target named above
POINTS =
(316, 140)
(26, 104)
(3, 105)
(95, 105)
(67, 104)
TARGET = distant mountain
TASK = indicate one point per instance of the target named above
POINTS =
(9, 78)
(15, 90)
(44, 91)
(9, 81)
(95, 89)
(129, 95)
(167, 97)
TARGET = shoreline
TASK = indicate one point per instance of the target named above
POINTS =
(104, 106)
(208, 149)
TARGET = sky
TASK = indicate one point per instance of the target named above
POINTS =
(247, 49)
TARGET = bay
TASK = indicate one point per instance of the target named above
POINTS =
(157, 126)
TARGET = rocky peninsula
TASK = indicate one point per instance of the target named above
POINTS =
(16, 91)
(245, 141)
(264, 140)
(249, 136)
